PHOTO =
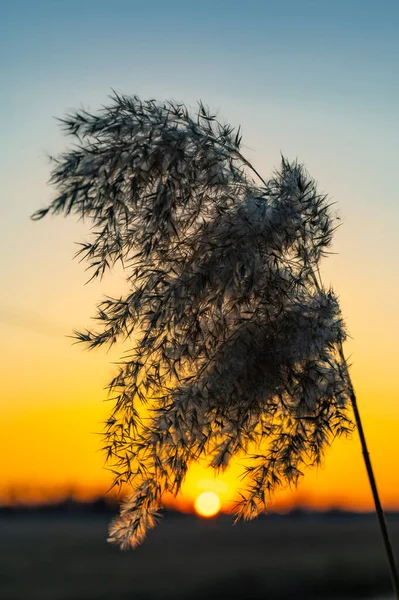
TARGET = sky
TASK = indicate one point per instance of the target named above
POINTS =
(314, 80)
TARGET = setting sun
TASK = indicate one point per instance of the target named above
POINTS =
(207, 504)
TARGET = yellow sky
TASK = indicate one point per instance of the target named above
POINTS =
(53, 391)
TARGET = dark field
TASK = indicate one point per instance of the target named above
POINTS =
(66, 557)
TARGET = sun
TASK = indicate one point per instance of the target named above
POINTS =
(207, 504)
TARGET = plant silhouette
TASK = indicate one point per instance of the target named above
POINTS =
(236, 345)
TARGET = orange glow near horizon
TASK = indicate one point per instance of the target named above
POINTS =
(54, 451)
(40, 468)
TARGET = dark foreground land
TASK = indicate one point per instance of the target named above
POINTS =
(64, 556)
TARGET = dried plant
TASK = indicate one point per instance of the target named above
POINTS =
(236, 343)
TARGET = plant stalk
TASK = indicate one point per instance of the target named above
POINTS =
(376, 497)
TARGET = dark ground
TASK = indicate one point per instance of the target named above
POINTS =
(63, 555)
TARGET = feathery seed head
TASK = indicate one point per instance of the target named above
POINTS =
(235, 341)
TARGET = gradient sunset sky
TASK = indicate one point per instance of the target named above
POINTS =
(312, 79)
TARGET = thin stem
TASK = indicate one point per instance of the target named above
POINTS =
(241, 157)
(238, 154)
(378, 507)
(248, 164)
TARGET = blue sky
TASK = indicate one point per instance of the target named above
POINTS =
(311, 79)
(310, 52)
(279, 68)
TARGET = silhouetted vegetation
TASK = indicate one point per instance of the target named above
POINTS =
(235, 343)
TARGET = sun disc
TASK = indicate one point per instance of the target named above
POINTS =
(207, 504)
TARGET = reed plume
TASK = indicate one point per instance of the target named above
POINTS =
(236, 344)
